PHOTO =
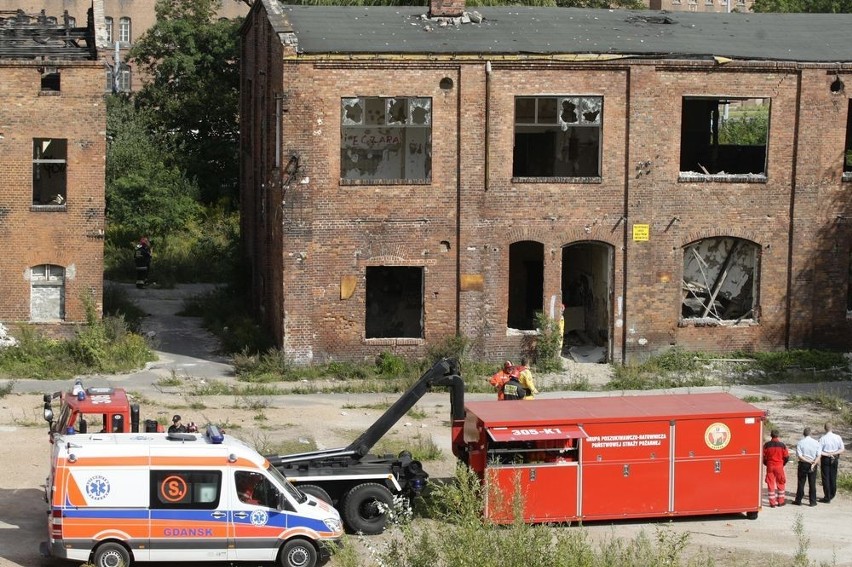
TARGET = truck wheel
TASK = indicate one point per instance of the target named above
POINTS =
(751, 515)
(298, 553)
(317, 492)
(365, 508)
(111, 555)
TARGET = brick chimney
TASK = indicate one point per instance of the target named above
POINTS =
(446, 8)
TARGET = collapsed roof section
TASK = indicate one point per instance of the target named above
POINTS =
(38, 36)
(571, 33)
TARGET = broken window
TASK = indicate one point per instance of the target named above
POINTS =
(50, 79)
(394, 302)
(108, 26)
(49, 171)
(124, 31)
(47, 293)
(526, 284)
(386, 139)
(557, 136)
(847, 155)
(724, 136)
(720, 280)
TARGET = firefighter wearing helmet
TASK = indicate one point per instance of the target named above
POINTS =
(499, 379)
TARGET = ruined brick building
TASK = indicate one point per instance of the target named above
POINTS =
(52, 149)
(675, 180)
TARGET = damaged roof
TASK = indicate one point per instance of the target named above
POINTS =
(539, 31)
(37, 36)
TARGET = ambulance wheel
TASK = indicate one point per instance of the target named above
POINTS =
(365, 508)
(317, 492)
(751, 515)
(298, 553)
(111, 555)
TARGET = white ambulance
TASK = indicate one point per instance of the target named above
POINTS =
(117, 498)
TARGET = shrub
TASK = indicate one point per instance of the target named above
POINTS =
(546, 351)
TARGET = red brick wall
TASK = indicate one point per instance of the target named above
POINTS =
(72, 238)
(319, 231)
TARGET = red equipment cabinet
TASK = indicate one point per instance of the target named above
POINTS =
(604, 458)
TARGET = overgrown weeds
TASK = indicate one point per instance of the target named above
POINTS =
(100, 346)
(679, 368)
(421, 447)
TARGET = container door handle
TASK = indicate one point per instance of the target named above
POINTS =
(218, 515)
(532, 475)
(718, 466)
(626, 471)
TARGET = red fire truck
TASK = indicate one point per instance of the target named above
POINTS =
(102, 409)
(642, 456)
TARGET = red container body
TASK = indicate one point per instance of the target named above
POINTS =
(644, 456)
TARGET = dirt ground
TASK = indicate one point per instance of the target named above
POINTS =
(731, 540)
(334, 420)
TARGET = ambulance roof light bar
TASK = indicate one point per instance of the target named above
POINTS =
(214, 435)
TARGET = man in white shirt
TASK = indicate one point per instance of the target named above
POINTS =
(808, 451)
(830, 446)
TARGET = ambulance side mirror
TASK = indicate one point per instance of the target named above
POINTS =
(48, 413)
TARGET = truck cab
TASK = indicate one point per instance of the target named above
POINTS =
(92, 410)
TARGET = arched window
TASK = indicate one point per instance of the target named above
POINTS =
(108, 26)
(720, 280)
(47, 293)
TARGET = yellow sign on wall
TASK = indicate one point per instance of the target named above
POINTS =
(641, 232)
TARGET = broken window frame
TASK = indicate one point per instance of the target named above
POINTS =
(847, 150)
(552, 119)
(707, 294)
(44, 276)
(51, 80)
(358, 135)
(42, 166)
(379, 319)
(108, 26)
(709, 151)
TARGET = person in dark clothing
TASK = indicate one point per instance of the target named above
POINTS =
(142, 259)
(775, 456)
(177, 426)
(512, 389)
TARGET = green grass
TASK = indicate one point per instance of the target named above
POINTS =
(844, 482)
(421, 447)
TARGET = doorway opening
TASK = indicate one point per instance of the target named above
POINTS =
(526, 284)
(587, 283)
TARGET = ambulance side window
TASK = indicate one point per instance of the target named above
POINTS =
(178, 489)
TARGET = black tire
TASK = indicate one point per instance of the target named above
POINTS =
(298, 552)
(317, 492)
(751, 515)
(362, 508)
(111, 555)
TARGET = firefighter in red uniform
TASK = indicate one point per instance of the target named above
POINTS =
(775, 456)
(499, 379)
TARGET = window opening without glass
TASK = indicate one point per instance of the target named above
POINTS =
(557, 136)
(394, 302)
(386, 139)
(847, 154)
(724, 136)
(49, 171)
(720, 279)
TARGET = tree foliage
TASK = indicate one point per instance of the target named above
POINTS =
(191, 92)
(145, 194)
(806, 6)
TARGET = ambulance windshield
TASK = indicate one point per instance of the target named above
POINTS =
(291, 490)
